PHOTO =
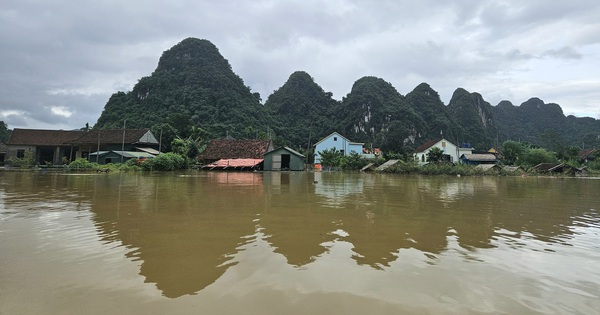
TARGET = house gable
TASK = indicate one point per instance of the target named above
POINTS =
(446, 146)
(338, 142)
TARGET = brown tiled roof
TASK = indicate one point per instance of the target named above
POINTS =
(235, 149)
(583, 154)
(112, 136)
(427, 145)
(40, 137)
(2, 147)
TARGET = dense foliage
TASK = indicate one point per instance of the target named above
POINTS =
(193, 86)
(301, 111)
(4, 132)
(375, 113)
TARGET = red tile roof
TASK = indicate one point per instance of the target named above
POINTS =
(40, 137)
(235, 149)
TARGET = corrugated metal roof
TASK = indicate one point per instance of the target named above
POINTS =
(148, 150)
(488, 157)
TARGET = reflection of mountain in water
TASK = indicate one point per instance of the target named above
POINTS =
(185, 233)
(295, 223)
(187, 230)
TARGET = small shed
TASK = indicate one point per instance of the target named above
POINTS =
(283, 158)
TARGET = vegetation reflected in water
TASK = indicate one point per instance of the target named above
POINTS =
(186, 231)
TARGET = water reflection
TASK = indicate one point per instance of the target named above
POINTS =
(187, 231)
(183, 230)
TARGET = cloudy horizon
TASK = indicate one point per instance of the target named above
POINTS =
(62, 61)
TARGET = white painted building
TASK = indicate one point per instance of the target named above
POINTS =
(450, 149)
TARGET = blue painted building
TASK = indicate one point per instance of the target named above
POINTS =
(338, 142)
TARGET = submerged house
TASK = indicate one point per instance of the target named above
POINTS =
(338, 142)
(47, 146)
(230, 154)
(61, 146)
(556, 168)
(98, 143)
(283, 159)
(452, 152)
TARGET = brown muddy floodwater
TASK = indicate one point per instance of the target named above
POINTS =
(297, 243)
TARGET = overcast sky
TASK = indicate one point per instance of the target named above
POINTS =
(61, 60)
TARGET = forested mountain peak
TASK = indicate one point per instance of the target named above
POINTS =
(474, 115)
(198, 53)
(194, 91)
(301, 110)
(192, 86)
(374, 112)
(427, 103)
(535, 104)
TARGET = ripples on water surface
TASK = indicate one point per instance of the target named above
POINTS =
(297, 243)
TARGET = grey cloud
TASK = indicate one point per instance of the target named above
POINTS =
(563, 53)
(83, 52)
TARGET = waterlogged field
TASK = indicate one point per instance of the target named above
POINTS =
(297, 243)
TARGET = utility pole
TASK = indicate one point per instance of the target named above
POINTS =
(123, 143)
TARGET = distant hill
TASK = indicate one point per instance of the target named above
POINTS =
(301, 111)
(374, 112)
(194, 86)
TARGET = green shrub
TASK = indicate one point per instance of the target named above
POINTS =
(165, 162)
(25, 161)
(82, 163)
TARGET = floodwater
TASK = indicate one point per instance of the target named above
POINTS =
(297, 243)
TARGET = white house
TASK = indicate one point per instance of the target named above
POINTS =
(452, 151)
(339, 142)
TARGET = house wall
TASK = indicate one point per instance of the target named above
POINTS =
(446, 146)
(296, 162)
(11, 150)
(338, 142)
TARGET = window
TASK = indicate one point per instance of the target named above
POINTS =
(334, 138)
(20, 153)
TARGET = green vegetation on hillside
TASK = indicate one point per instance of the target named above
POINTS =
(194, 88)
